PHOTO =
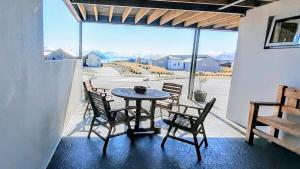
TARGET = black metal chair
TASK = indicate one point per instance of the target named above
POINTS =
(189, 123)
(107, 118)
(87, 86)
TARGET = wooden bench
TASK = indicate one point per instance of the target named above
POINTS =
(288, 101)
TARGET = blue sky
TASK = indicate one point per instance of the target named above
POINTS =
(61, 31)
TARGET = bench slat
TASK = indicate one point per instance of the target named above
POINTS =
(281, 124)
(282, 143)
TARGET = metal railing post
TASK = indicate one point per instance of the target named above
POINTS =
(80, 40)
(193, 63)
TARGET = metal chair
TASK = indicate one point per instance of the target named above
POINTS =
(108, 118)
(189, 123)
(175, 92)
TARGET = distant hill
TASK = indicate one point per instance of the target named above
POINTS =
(226, 57)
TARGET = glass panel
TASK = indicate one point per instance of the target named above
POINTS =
(287, 30)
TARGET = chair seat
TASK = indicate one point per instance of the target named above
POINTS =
(180, 122)
(164, 104)
(120, 118)
(281, 124)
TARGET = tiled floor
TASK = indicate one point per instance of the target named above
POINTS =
(226, 149)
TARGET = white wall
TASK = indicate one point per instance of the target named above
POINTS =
(258, 71)
(93, 60)
(175, 64)
(34, 92)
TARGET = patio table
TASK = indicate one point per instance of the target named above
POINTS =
(151, 94)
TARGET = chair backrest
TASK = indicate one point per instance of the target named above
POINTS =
(205, 111)
(99, 105)
(85, 90)
(289, 98)
(173, 88)
(89, 85)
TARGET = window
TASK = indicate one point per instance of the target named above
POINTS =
(284, 32)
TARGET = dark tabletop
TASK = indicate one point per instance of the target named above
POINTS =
(150, 94)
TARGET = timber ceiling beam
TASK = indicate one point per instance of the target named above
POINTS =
(155, 15)
(72, 10)
(233, 25)
(82, 10)
(227, 22)
(199, 18)
(215, 19)
(126, 13)
(95, 12)
(169, 16)
(249, 4)
(140, 14)
(185, 16)
(110, 13)
(166, 5)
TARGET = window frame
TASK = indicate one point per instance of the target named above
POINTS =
(276, 19)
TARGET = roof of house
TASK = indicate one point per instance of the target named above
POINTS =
(97, 53)
(60, 52)
(180, 57)
(200, 58)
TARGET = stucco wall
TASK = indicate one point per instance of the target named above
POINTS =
(258, 71)
(34, 92)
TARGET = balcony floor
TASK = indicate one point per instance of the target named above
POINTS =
(226, 149)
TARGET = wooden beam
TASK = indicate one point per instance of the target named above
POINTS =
(233, 25)
(72, 10)
(183, 17)
(95, 12)
(140, 14)
(199, 18)
(215, 19)
(126, 13)
(110, 13)
(227, 22)
(169, 16)
(166, 5)
(155, 15)
(249, 4)
(82, 10)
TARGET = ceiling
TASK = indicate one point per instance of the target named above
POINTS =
(204, 14)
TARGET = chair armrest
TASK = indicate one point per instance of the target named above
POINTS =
(101, 88)
(193, 107)
(261, 103)
(183, 115)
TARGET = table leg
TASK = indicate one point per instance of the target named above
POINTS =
(137, 115)
(152, 111)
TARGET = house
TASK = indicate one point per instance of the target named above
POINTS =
(204, 63)
(171, 62)
(93, 59)
(59, 54)
(183, 62)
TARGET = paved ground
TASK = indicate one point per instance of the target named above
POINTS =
(215, 87)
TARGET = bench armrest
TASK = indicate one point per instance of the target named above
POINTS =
(261, 103)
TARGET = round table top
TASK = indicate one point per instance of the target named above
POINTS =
(150, 94)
